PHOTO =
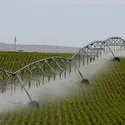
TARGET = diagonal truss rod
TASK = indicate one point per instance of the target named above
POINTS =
(24, 87)
(50, 66)
(99, 51)
(57, 64)
(78, 70)
(92, 50)
(86, 52)
(109, 49)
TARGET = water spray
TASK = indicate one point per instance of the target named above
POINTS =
(84, 81)
(32, 103)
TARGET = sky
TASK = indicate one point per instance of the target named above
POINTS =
(61, 22)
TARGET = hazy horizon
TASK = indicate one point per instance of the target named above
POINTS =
(62, 23)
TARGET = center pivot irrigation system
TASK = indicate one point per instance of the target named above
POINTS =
(92, 51)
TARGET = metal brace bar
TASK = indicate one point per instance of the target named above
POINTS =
(41, 65)
(81, 57)
(25, 70)
(78, 70)
(92, 51)
(111, 51)
(34, 67)
(86, 53)
(30, 71)
(37, 65)
(123, 45)
(50, 66)
(57, 64)
(41, 68)
(7, 74)
(99, 51)
(64, 62)
(51, 62)
(24, 87)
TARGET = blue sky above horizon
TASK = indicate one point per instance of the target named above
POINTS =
(61, 22)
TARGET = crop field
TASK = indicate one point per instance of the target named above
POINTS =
(13, 61)
(102, 103)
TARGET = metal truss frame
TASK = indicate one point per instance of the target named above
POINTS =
(91, 50)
